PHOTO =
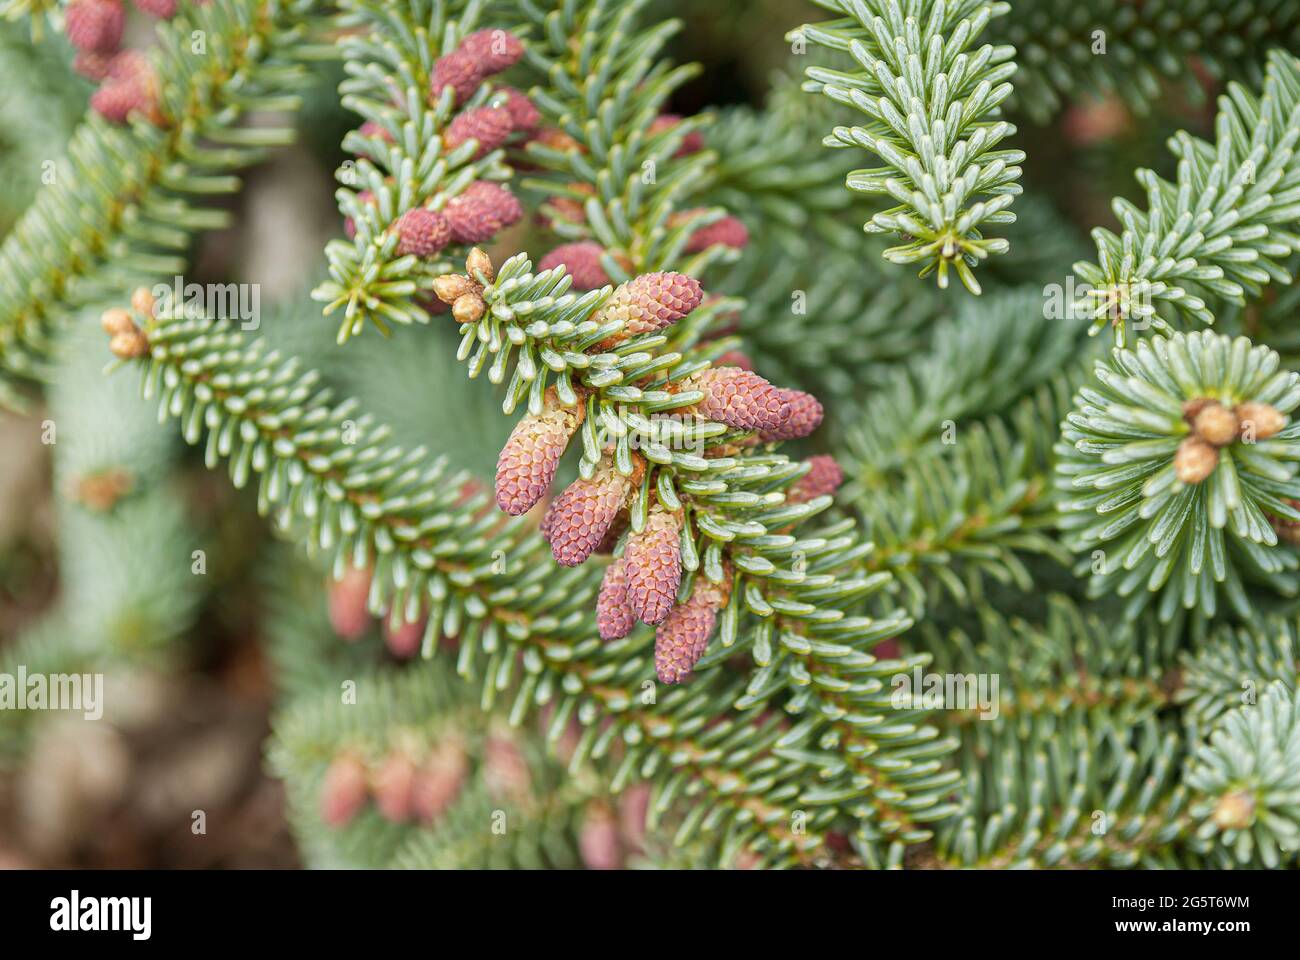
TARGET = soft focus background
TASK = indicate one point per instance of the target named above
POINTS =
(98, 530)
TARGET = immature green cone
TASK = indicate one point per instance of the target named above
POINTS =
(649, 303)
(654, 566)
(739, 398)
(578, 519)
(527, 462)
(683, 637)
(614, 618)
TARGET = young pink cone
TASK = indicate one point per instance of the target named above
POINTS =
(92, 64)
(94, 25)
(349, 604)
(490, 126)
(393, 787)
(738, 398)
(344, 791)
(649, 303)
(683, 637)
(422, 232)
(729, 232)
(824, 477)
(614, 618)
(505, 771)
(458, 70)
(581, 261)
(653, 560)
(579, 518)
(493, 50)
(598, 840)
(439, 780)
(523, 113)
(527, 462)
(482, 211)
(404, 640)
(805, 416)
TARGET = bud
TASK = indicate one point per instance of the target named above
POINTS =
(805, 417)
(142, 301)
(727, 232)
(598, 839)
(394, 787)
(528, 460)
(117, 320)
(117, 98)
(683, 637)
(403, 641)
(1215, 424)
(344, 791)
(1195, 460)
(739, 398)
(130, 345)
(614, 618)
(469, 308)
(349, 603)
(493, 50)
(1235, 811)
(490, 126)
(559, 141)
(479, 264)
(649, 303)
(481, 211)
(452, 286)
(94, 25)
(653, 561)
(505, 771)
(439, 780)
(102, 490)
(578, 519)
(1268, 421)
(523, 114)
(457, 70)
(581, 261)
(422, 232)
(823, 477)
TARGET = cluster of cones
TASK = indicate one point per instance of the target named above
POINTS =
(127, 81)
(1214, 426)
(591, 515)
(407, 785)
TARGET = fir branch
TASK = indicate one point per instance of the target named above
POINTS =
(128, 200)
(931, 103)
(1218, 234)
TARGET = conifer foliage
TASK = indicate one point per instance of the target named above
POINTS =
(757, 488)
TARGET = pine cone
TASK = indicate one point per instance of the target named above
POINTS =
(457, 70)
(481, 211)
(729, 232)
(649, 303)
(422, 232)
(654, 566)
(523, 113)
(439, 780)
(527, 463)
(739, 398)
(344, 791)
(490, 126)
(683, 637)
(349, 603)
(580, 517)
(614, 618)
(394, 787)
(805, 417)
(493, 50)
(582, 262)
(824, 477)
(94, 26)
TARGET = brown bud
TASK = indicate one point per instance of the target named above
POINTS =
(468, 308)
(479, 264)
(1235, 810)
(1260, 420)
(142, 301)
(130, 345)
(452, 286)
(1215, 424)
(1195, 460)
(117, 320)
